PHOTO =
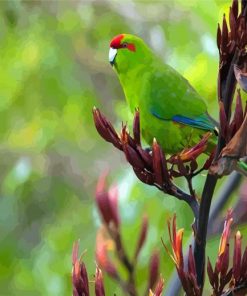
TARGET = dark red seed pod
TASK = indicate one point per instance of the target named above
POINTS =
(237, 256)
(209, 161)
(115, 139)
(232, 24)
(75, 252)
(228, 277)
(145, 176)
(154, 269)
(103, 203)
(219, 37)
(157, 163)
(136, 128)
(146, 157)
(216, 280)
(191, 262)
(106, 202)
(80, 280)
(159, 287)
(184, 281)
(193, 281)
(105, 129)
(223, 120)
(142, 236)
(79, 274)
(111, 129)
(244, 264)
(224, 38)
(126, 138)
(133, 157)
(210, 271)
(100, 125)
(99, 285)
(241, 34)
(105, 263)
(238, 116)
(235, 8)
(225, 261)
(165, 171)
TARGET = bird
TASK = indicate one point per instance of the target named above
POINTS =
(171, 111)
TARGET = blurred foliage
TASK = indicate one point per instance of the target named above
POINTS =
(53, 70)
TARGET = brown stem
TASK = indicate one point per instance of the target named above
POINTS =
(197, 172)
(227, 88)
(125, 286)
(128, 286)
(191, 189)
(191, 201)
(173, 190)
(200, 240)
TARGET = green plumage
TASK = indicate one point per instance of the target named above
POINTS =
(170, 109)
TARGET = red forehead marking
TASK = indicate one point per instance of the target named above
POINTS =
(116, 41)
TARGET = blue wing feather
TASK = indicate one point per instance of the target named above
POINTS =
(202, 122)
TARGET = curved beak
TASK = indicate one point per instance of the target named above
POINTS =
(112, 55)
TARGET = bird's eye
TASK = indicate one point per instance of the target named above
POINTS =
(125, 44)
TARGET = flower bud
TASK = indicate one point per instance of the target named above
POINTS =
(99, 285)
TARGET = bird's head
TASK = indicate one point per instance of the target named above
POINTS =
(127, 51)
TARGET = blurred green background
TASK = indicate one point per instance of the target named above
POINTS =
(53, 69)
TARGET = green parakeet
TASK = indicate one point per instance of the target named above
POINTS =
(170, 108)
